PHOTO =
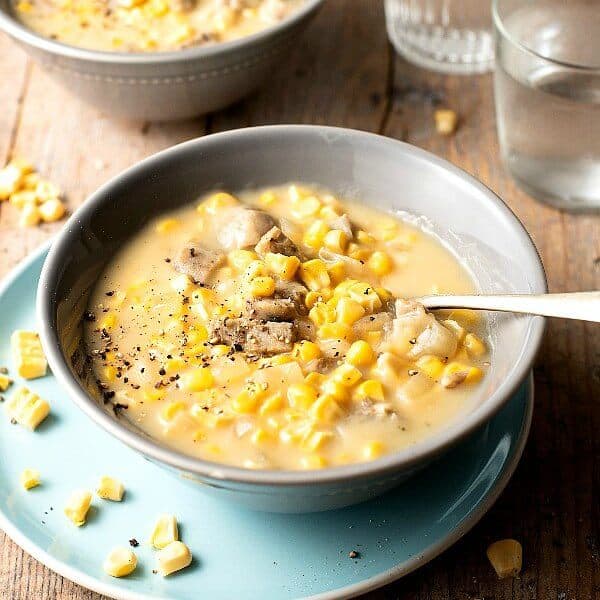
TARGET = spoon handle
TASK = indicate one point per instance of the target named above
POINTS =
(584, 306)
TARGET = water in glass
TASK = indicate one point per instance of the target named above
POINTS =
(548, 111)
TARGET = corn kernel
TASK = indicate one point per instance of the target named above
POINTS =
(24, 6)
(182, 33)
(27, 408)
(358, 252)
(171, 410)
(11, 178)
(197, 380)
(110, 488)
(380, 263)
(197, 335)
(153, 394)
(466, 316)
(316, 440)
(120, 562)
(446, 121)
(108, 322)
(282, 265)
(198, 436)
(166, 225)
(360, 354)
(30, 478)
(373, 450)
(506, 557)
(312, 298)
(329, 213)
(337, 272)
(347, 375)
(288, 435)
(456, 373)
(305, 207)
(336, 240)
(314, 274)
(474, 345)
(158, 8)
(365, 295)
(325, 409)
(219, 350)
(364, 238)
(315, 234)
(262, 287)
(245, 402)
(308, 351)
(260, 437)
(384, 294)
(349, 311)
(78, 506)
(335, 390)
(109, 373)
(30, 216)
(214, 421)
(23, 198)
(278, 359)
(5, 382)
(315, 379)
(267, 198)
(241, 259)
(257, 268)
(320, 314)
(371, 389)
(174, 557)
(296, 193)
(335, 331)
(165, 531)
(216, 202)
(341, 289)
(271, 404)
(301, 396)
(51, 210)
(432, 366)
(312, 461)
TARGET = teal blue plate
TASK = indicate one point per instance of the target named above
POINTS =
(238, 553)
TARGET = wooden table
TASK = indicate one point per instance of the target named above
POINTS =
(345, 73)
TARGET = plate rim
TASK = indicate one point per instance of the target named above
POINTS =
(351, 591)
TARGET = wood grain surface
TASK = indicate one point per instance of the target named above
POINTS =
(343, 72)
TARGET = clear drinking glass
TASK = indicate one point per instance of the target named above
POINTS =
(451, 36)
(547, 89)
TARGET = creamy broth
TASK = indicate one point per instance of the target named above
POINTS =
(348, 375)
(150, 25)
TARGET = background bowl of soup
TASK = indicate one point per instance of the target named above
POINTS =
(163, 85)
(465, 216)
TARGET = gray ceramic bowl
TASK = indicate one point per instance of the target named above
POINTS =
(468, 217)
(162, 86)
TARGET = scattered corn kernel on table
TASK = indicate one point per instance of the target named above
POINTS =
(344, 73)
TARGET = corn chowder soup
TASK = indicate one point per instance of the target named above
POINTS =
(146, 25)
(268, 330)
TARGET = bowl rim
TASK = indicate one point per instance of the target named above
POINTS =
(13, 27)
(397, 461)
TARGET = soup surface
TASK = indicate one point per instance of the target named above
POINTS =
(263, 331)
(150, 25)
